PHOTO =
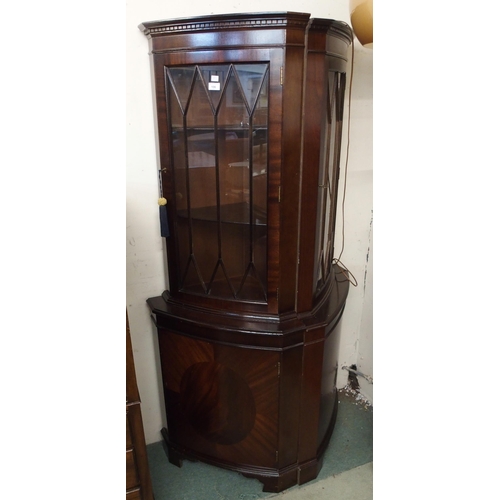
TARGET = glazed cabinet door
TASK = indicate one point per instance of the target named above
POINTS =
(215, 166)
(219, 119)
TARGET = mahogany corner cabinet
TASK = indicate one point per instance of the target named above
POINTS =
(249, 114)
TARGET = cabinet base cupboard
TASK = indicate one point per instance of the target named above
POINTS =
(249, 117)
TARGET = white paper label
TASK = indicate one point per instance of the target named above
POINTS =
(214, 78)
(213, 86)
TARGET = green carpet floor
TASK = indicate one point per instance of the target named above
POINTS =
(351, 445)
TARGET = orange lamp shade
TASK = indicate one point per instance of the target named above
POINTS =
(362, 20)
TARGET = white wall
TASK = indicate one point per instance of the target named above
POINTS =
(146, 273)
(357, 332)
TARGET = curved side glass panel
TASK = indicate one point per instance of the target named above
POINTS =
(328, 178)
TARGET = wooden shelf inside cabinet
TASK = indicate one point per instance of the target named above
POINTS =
(249, 110)
(138, 479)
(234, 213)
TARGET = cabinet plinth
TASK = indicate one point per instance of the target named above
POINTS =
(250, 110)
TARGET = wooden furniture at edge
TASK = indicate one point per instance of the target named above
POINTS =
(250, 111)
(138, 480)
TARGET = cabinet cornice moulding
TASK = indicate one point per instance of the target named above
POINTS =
(226, 22)
(332, 27)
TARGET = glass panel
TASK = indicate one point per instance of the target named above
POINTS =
(328, 178)
(201, 160)
(332, 175)
(200, 148)
(322, 265)
(214, 78)
(199, 109)
(178, 142)
(332, 94)
(259, 183)
(182, 232)
(180, 169)
(235, 251)
(340, 83)
(260, 256)
(250, 77)
(233, 125)
(204, 254)
(219, 120)
(181, 80)
(259, 154)
(326, 130)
